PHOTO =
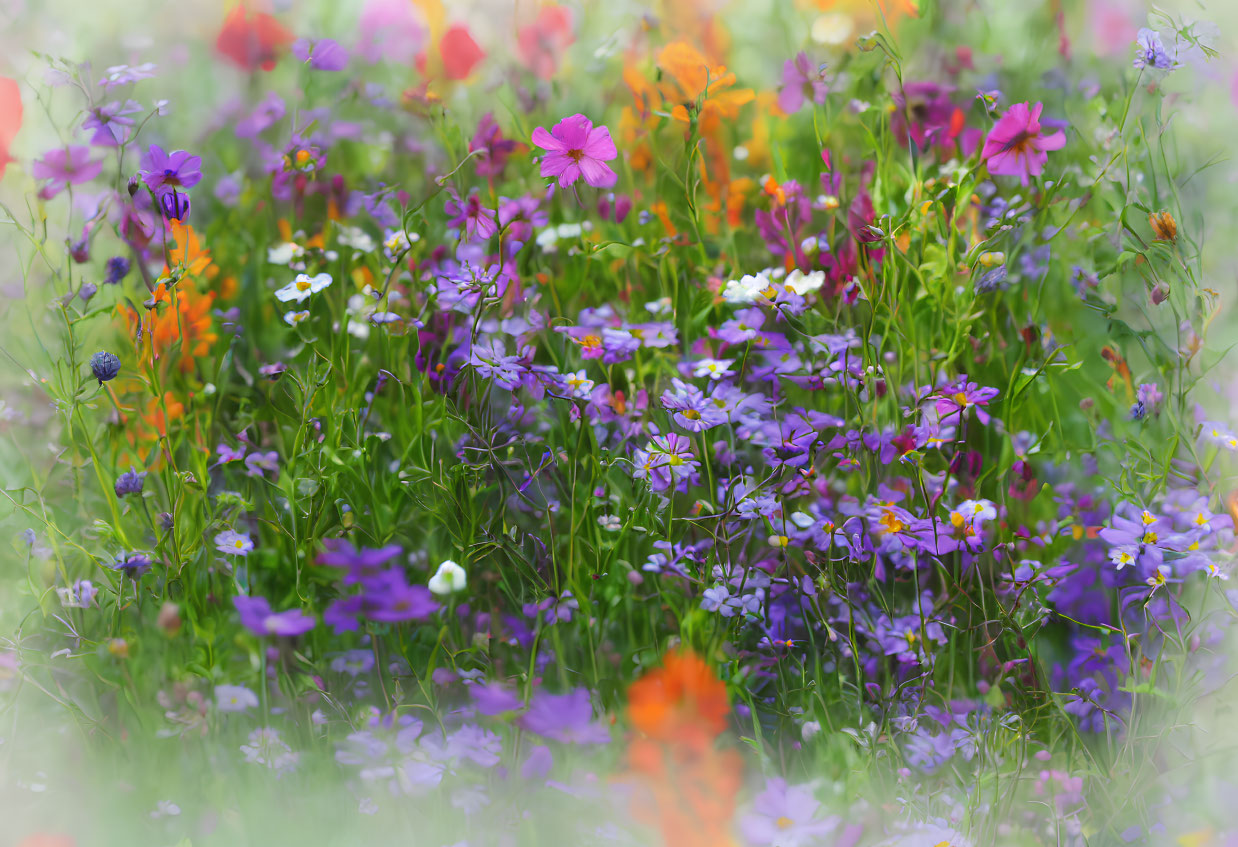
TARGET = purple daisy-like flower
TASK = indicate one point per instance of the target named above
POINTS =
(565, 717)
(785, 816)
(323, 54)
(162, 171)
(258, 618)
(110, 123)
(65, 166)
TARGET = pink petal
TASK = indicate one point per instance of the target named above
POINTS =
(573, 132)
(600, 145)
(1056, 141)
(546, 141)
(570, 174)
(597, 174)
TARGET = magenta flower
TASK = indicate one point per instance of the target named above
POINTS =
(1015, 146)
(801, 80)
(576, 148)
(65, 166)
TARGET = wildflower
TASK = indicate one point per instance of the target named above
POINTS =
(1015, 146)
(65, 166)
(390, 30)
(541, 43)
(479, 222)
(961, 395)
(785, 816)
(492, 148)
(294, 318)
(576, 148)
(257, 617)
(713, 368)
(1150, 52)
(258, 463)
(234, 698)
(323, 54)
(567, 718)
(125, 74)
(174, 205)
(460, 53)
(301, 288)
(1164, 227)
(110, 123)
(448, 579)
(132, 565)
(251, 40)
(800, 81)
(162, 171)
(266, 748)
(10, 118)
(104, 366)
(233, 543)
(130, 482)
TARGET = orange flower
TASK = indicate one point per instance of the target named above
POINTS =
(188, 321)
(695, 78)
(188, 250)
(681, 695)
(687, 788)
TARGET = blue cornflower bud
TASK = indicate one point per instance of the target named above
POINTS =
(130, 482)
(117, 269)
(105, 366)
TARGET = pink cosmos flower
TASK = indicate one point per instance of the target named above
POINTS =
(1015, 146)
(575, 148)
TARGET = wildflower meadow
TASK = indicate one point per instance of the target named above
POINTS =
(685, 423)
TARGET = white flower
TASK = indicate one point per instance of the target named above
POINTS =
(448, 579)
(283, 254)
(746, 290)
(1123, 555)
(714, 368)
(977, 511)
(610, 523)
(802, 283)
(357, 239)
(302, 287)
(294, 318)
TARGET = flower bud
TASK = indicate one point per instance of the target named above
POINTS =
(104, 366)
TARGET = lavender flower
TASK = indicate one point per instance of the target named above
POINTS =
(130, 482)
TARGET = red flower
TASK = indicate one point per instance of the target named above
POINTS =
(10, 118)
(460, 52)
(542, 42)
(251, 40)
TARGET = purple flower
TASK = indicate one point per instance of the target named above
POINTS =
(130, 482)
(110, 123)
(493, 698)
(229, 454)
(959, 396)
(169, 171)
(124, 74)
(492, 147)
(565, 717)
(363, 565)
(576, 148)
(323, 54)
(479, 222)
(785, 816)
(266, 748)
(257, 617)
(256, 464)
(117, 270)
(65, 166)
(174, 205)
(800, 80)
(132, 565)
(390, 599)
(1150, 51)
